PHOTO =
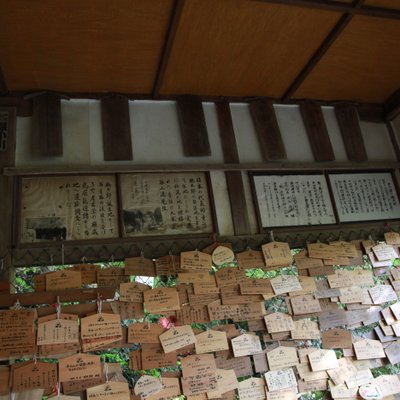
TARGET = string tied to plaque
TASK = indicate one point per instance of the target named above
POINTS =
(84, 260)
(51, 259)
(58, 390)
(271, 236)
(171, 257)
(35, 358)
(12, 396)
(62, 254)
(99, 303)
(17, 306)
(388, 227)
(106, 369)
(2, 264)
(58, 308)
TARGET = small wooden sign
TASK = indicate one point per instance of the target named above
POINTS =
(176, 338)
(277, 254)
(63, 280)
(160, 300)
(246, 344)
(78, 367)
(211, 341)
(195, 261)
(109, 391)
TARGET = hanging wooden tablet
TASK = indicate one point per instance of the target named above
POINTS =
(109, 391)
(277, 254)
(63, 280)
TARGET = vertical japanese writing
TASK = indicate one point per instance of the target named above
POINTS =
(165, 204)
(365, 196)
(69, 208)
(293, 200)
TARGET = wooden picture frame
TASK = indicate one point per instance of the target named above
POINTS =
(168, 204)
(61, 208)
(377, 189)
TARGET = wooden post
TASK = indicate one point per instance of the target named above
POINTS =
(7, 159)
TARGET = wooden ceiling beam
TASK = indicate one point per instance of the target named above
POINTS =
(169, 41)
(3, 85)
(322, 49)
(337, 6)
(316, 57)
(392, 106)
(329, 5)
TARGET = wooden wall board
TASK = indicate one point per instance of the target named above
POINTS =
(227, 133)
(349, 124)
(362, 64)
(84, 54)
(47, 139)
(193, 127)
(317, 131)
(267, 130)
(117, 141)
(81, 295)
(243, 56)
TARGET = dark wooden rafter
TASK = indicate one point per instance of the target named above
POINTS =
(227, 133)
(169, 41)
(47, 139)
(193, 127)
(338, 6)
(3, 85)
(317, 132)
(267, 130)
(349, 124)
(322, 49)
(392, 106)
(117, 140)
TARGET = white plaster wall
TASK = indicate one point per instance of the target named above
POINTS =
(246, 139)
(334, 134)
(76, 144)
(377, 142)
(293, 133)
(156, 140)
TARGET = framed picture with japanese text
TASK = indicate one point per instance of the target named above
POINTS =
(58, 208)
(165, 204)
(365, 196)
(292, 200)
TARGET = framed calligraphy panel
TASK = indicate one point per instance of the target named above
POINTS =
(68, 208)
(365, 196)
(292, 200)
(165, 204)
